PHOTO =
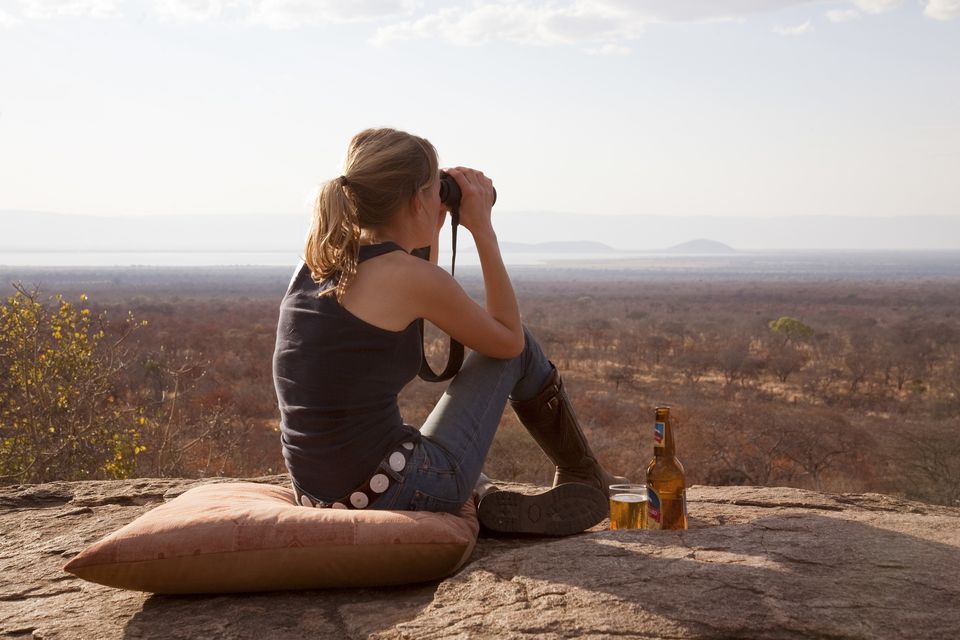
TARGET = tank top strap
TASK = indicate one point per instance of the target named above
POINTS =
(368, 251)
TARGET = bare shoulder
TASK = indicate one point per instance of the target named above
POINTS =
(405, 268)
(419, 282)
(391, 290)
(411, 272)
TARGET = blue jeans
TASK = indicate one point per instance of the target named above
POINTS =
(446, 463)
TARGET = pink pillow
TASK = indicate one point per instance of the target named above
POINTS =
(244, 536)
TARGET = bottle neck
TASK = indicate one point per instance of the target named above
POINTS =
(663, 444)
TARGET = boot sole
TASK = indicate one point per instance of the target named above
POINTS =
(561, 511)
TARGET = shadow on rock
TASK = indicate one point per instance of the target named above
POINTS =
(789, 575)
(340, 613)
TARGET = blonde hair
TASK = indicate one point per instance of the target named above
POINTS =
(384, 169)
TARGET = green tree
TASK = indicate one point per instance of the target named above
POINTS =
(791, 329)
(62, 415)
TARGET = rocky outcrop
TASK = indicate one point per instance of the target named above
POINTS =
(756, 563)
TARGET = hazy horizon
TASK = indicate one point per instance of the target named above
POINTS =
(526, 238)
(762, 124)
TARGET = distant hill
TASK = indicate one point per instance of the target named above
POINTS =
(746, 233)
(701, 245)
(554, 232)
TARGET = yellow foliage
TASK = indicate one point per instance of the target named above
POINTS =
(56, 392)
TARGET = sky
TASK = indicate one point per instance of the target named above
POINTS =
(674, 108)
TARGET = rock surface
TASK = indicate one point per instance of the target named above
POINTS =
(756, 562)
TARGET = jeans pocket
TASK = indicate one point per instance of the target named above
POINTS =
(425, 502)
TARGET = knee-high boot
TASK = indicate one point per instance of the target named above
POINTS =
(550, 419)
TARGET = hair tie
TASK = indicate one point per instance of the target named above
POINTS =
(344, 181)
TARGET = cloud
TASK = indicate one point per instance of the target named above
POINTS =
(7, 20)
(799, 30)
(189, 10)
(942, 9)
(282, 14)
(702, 10)
(877, 6)
(594, 23)
(599, 27)
(48, 9)
(291, 14)
(843, 15)
(531, 23)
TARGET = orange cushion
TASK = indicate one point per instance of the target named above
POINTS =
(244, 536)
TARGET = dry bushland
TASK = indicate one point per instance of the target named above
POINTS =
(829, 383)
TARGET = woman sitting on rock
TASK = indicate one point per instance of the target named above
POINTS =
(348, 341)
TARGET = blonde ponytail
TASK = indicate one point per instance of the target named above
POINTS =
(333, 244)
(384, 169)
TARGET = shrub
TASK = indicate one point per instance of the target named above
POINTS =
(61, 413)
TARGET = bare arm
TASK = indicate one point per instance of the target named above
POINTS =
(496, 330)
(501, 301)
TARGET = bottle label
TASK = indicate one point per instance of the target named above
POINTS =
(658, 429)
(654, 515)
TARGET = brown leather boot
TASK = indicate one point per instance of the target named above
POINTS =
(550, 419)
(564, 510)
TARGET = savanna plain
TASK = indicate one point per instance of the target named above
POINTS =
(836, 372)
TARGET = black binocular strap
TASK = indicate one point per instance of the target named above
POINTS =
(455, 356)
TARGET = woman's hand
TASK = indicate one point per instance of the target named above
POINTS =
(476, 199)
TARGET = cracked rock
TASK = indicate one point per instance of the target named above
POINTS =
(756, 562)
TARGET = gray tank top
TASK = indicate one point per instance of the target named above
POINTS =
(337, 379)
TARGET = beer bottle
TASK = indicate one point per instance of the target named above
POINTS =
(666, 485)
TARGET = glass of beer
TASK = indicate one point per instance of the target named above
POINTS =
(628, 506)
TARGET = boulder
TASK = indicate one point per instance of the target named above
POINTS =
(756, 562)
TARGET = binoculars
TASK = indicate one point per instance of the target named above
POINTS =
(450, 192)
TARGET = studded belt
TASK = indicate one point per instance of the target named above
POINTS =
(395, 461)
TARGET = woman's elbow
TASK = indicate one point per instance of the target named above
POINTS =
(514, 347)
(502, 343)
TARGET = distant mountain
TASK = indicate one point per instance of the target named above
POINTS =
(553, 232)
(756, 233)
(702, 246)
